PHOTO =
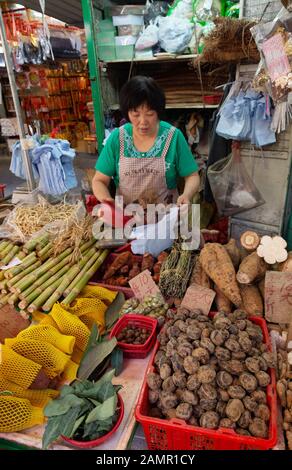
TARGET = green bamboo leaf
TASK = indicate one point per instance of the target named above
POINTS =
(66, 390)
(78, 422)
(106, 391)
(52, 431)
(112, 313)
(103, 411)
(93, 340)
(95, 357)
(68, 421)
(117, 359)
(60, 406)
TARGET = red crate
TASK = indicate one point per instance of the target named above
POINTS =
(175, 434)
(141, 321)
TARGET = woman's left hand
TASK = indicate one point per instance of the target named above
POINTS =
(182, 199)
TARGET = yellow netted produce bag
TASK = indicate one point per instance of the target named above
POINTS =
(48, 320)
(83, 306)
(37, 398)
(70, 324)
(77, 355)
(38, 316)
(70, 371)
(99, 292)
(18, 369)
(51, 335)
(17, 414)
(52, 360)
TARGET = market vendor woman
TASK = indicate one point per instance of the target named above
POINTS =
(145, 156)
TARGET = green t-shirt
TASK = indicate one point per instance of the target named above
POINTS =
(179, 160)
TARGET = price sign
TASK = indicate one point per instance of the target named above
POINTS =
(11, 323)
(278, 297)
(198, 297)
(143, 285)
(276, 57)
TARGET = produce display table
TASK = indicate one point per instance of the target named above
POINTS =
(131, 379)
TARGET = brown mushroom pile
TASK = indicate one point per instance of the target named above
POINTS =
(212, 372)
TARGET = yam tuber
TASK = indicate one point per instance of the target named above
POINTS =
(199, 276)
(250, 240)
(252, 300)
(261, 286)
(223, 304)
(286, 267)
(120, 261)
(233, 252)
(217, 264)
(134, 271)
(251, 268)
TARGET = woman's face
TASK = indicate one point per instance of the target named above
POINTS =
(144, 120)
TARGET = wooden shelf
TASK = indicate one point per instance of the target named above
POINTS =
(114, 107)
(170, 58)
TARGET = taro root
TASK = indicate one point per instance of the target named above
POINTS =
(206, 374)
(165, 371)
(207, 392)
(202, 355)
(222, 354)
(155, 413)
(184, 411)
(153, 396)
(223, 394)
(263, 364)
(185, 349)
(193, 332)
(218, 337)
(179, 379)
(222, 323)
(250, 404)
(242, 432)
(189, 397)
(168, 385)
(252, 364)
(193, 382)
(244, 419)
(193, 421)
(209, 420)
(181, 325)
(259, 396)
(234, 409)
(245, 343)
(263, 378)
(240, 355)
(191, 365)
(248, 382)
(154, 381)
(263, 412)
(236, 391)
(224, 379)
(258, 428)
(241, 324)
(206, 343)
(221, 408)
(226, 423)
(234, 366)
(232, 345)
(168, 400)
(177, 363)
(270, 359)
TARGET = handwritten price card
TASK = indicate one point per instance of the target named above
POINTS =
(276, 57)
(11, 323)
(198, 297)
(278, 297)
(143, 285)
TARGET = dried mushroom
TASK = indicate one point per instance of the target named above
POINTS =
(232, 344)
(245, 343)
(252, 364)
(193, 421)
(270, 359)
(202, 355)
(263, 378)
(177, 362)
(181, 325)
(248, 381)
(244, 419)
(169, 414)
(179, 379)
(222, 323)
(207, 392)
(184, 411)
(155, 413)
(239, 314)
(222, 354)
(153, 396)
(185, 349)
(168, 400)
(240, 355)
(221, 408)
(224, 379)
(173, 332)
(258, 428)
(168, 385)
(263, 364)
(234, 366)
(226, 423)
(234, 409)
(208, 405)
(165, 371)
(250, 404)
(236, 391)
(154, 381)
(223, 394)
(193, 332)
(241, 324)
(218, 337)
(189, 397)
(259, 396)
(193, 382)
(242, 432)
(233, 330)
(206, 343)
(206, 374)
(209, 420)
(263, 412)
(191, 365)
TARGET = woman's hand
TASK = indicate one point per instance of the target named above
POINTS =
(182, 199)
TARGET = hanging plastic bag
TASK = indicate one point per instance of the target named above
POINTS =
(174, 34)
(148, 38)
(232, 187)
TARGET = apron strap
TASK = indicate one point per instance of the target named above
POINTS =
(168, 141)
(122, 141)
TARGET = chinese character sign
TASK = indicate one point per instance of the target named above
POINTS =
(143, 285)
(278, 297)
(198, 297)
(276, 57)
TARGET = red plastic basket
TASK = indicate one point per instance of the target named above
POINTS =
(136, 350)
(175, 434)
(100, 440)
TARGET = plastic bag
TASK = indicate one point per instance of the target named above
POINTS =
(148, 38)
(174, 34)
(232, 187)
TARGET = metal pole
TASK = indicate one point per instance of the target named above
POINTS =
(21, 131)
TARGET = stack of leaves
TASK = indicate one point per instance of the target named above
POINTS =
(84, 411)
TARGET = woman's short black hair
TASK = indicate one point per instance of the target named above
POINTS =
(142, 90)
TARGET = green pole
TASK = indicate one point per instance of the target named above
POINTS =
(88, 17)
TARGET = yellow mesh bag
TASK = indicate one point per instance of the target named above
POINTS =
(70, 371)
(85, 306)
(90, 319)
(37, 398)
(71, 325)
(77, 355)
(17, 414)
(51, 335)
(38, 316)
(48, 320)
(98, 292)
(18, 369)
(52, 360)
